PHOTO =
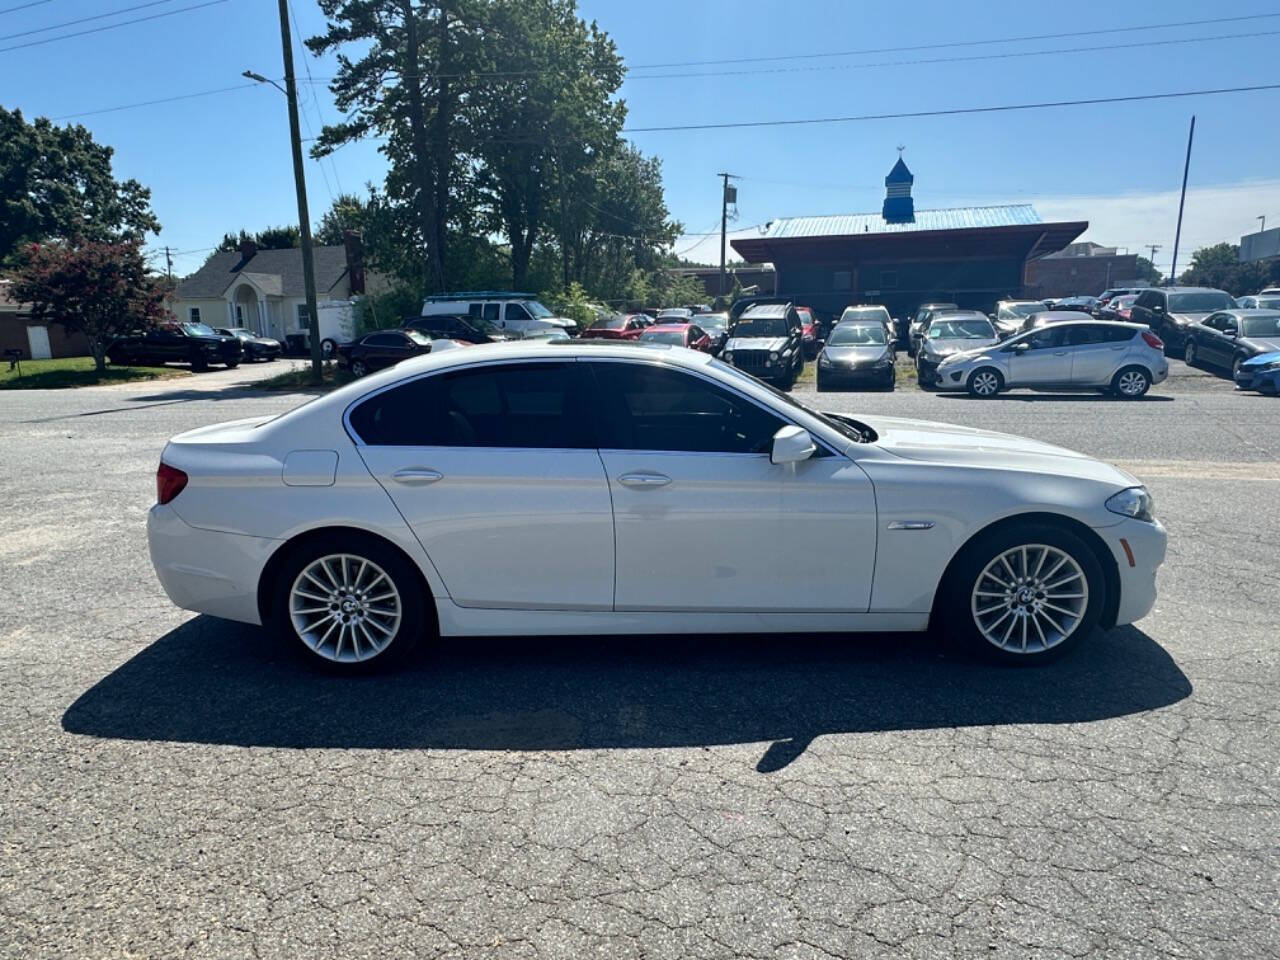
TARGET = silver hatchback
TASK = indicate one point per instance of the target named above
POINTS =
(1120, 358)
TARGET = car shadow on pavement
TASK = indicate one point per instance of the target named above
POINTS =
(211, 681)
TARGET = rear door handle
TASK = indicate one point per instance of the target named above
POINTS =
(1059, 353)
(417, 476)
(643, 480)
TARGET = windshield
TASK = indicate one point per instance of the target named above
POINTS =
(1018, 311)
(675, 312)
(1265, 326)
(846, 427)
(673, 337)
(417, 337)
(537, 309)
(760, 327)
(1199, 302)
(616, 322)
(198, 330)
(856, 334)
(718, 320)
(975, 329)
(864, 313)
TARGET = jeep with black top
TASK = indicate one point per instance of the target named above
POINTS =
(194, 343)
(766, 340)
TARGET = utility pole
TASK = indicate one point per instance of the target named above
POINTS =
(1263, 220)
(1153, 247)
(724, 220)
(168, 264)
(300, 183)
(1177, 237)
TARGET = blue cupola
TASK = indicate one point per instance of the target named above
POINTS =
(898, 205)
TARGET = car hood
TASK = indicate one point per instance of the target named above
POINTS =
(1265, 344)
(967, 446)
(756, 343)
(856, 353)
(1263, 359)
(945, 348)
(1185, 318)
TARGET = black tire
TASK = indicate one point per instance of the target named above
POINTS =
(954, 610)
(412, 593)
(1189, 354)
(359, 368)
(820, 386)
(976, 385)
(1235, 367)
(232, 364)
(328, 347)
(1127, 375)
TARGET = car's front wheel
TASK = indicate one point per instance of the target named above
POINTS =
(328, 348)
(1021, 594)
(359, 368)
(985, 383)
(1189, 354)
(351, 600)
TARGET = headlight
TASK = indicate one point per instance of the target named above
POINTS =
(1133, 502)
(774, 355)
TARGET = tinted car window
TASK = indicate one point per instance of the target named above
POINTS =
(490, 312)
(516, 405)
(1199, 302)
(647, 407)
(1119, 334)
(1046, 337)
(1078, 336)
(384, 340)
(1267, 326)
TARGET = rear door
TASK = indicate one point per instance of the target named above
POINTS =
(494, 467)
(1095, 354)
(1046, 363)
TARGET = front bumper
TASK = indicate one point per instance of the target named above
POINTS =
(950, 378)
(1136, 565)
(205, 570)
(1264, 381)
(838, 376)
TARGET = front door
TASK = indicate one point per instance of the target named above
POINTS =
(703, 520)
(1215, 346)
(1046, 362)
(495, 470)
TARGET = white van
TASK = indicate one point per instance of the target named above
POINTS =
(514, 313)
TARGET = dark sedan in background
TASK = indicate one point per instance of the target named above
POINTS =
(382, 348)
(857, 354)
(254, 346)
(1230, 337)
(195, 343)
(467, 329)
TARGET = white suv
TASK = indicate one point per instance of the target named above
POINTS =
(1120, 358)
(518, 314)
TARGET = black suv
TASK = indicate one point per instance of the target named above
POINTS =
(1170, 312)
(766, 340)
(193, 343)
(468, 329)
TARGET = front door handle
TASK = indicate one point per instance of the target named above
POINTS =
(1059, 353)
(643, 480)
(417, 476)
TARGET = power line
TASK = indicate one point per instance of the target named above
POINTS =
(1011, 55)
(23, 6)
(956, 111)
(959, 43)
(111, 26)
(315, 103)
(72, 23)
(151, 103)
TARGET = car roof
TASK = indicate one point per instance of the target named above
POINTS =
(1188, 290)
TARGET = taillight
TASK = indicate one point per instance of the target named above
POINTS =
(170, 482)
(1152, 340)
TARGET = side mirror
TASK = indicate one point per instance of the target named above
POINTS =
(1021, 347)
(1157, 309)
(792, 445)
(1230, 331)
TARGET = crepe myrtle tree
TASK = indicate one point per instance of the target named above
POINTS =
(102, 290)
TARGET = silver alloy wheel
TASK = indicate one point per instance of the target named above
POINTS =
(1030, 598)
(1189, 354)
(327, 347)
(985, 383)
(345, 608)
(358, 368)
(1132, 383)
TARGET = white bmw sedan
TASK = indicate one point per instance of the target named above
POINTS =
(588, 488)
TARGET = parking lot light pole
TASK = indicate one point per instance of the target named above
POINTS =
(290, 92)
(1177, 237)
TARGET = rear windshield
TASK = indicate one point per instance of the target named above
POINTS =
(1199, 302)
(974, 329)
(674, 337)
(1020, 310)
(856, 334)
(610, 323)
(1267, 326)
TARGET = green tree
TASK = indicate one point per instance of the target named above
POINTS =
(1147, 271)
(1219, 266)
(348, 212)
(272, 238)
(56, 184)
(102, 290)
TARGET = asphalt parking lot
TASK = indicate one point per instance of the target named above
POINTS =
(175, 785)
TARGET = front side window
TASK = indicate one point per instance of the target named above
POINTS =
(649, 407)
(1046, 338)
(383, 340)
(516, 313)
(537, 405)
(1079, 336)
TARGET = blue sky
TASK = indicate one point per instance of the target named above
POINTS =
(221, 162)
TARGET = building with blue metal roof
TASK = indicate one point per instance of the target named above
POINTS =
(902, 257)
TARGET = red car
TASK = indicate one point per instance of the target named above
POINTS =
(810, 332)
(678, 335)
(617, 327)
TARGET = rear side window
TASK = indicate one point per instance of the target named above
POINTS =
(1078, 336)
(539, 406)
(1119, 334)
(648, 407)
(491, 312)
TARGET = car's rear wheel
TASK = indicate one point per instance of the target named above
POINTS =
(328, 347)
(985, 383)
(1022, 594)
(232, 364)
(350, 600)
(359, 368)
(1131, 383)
